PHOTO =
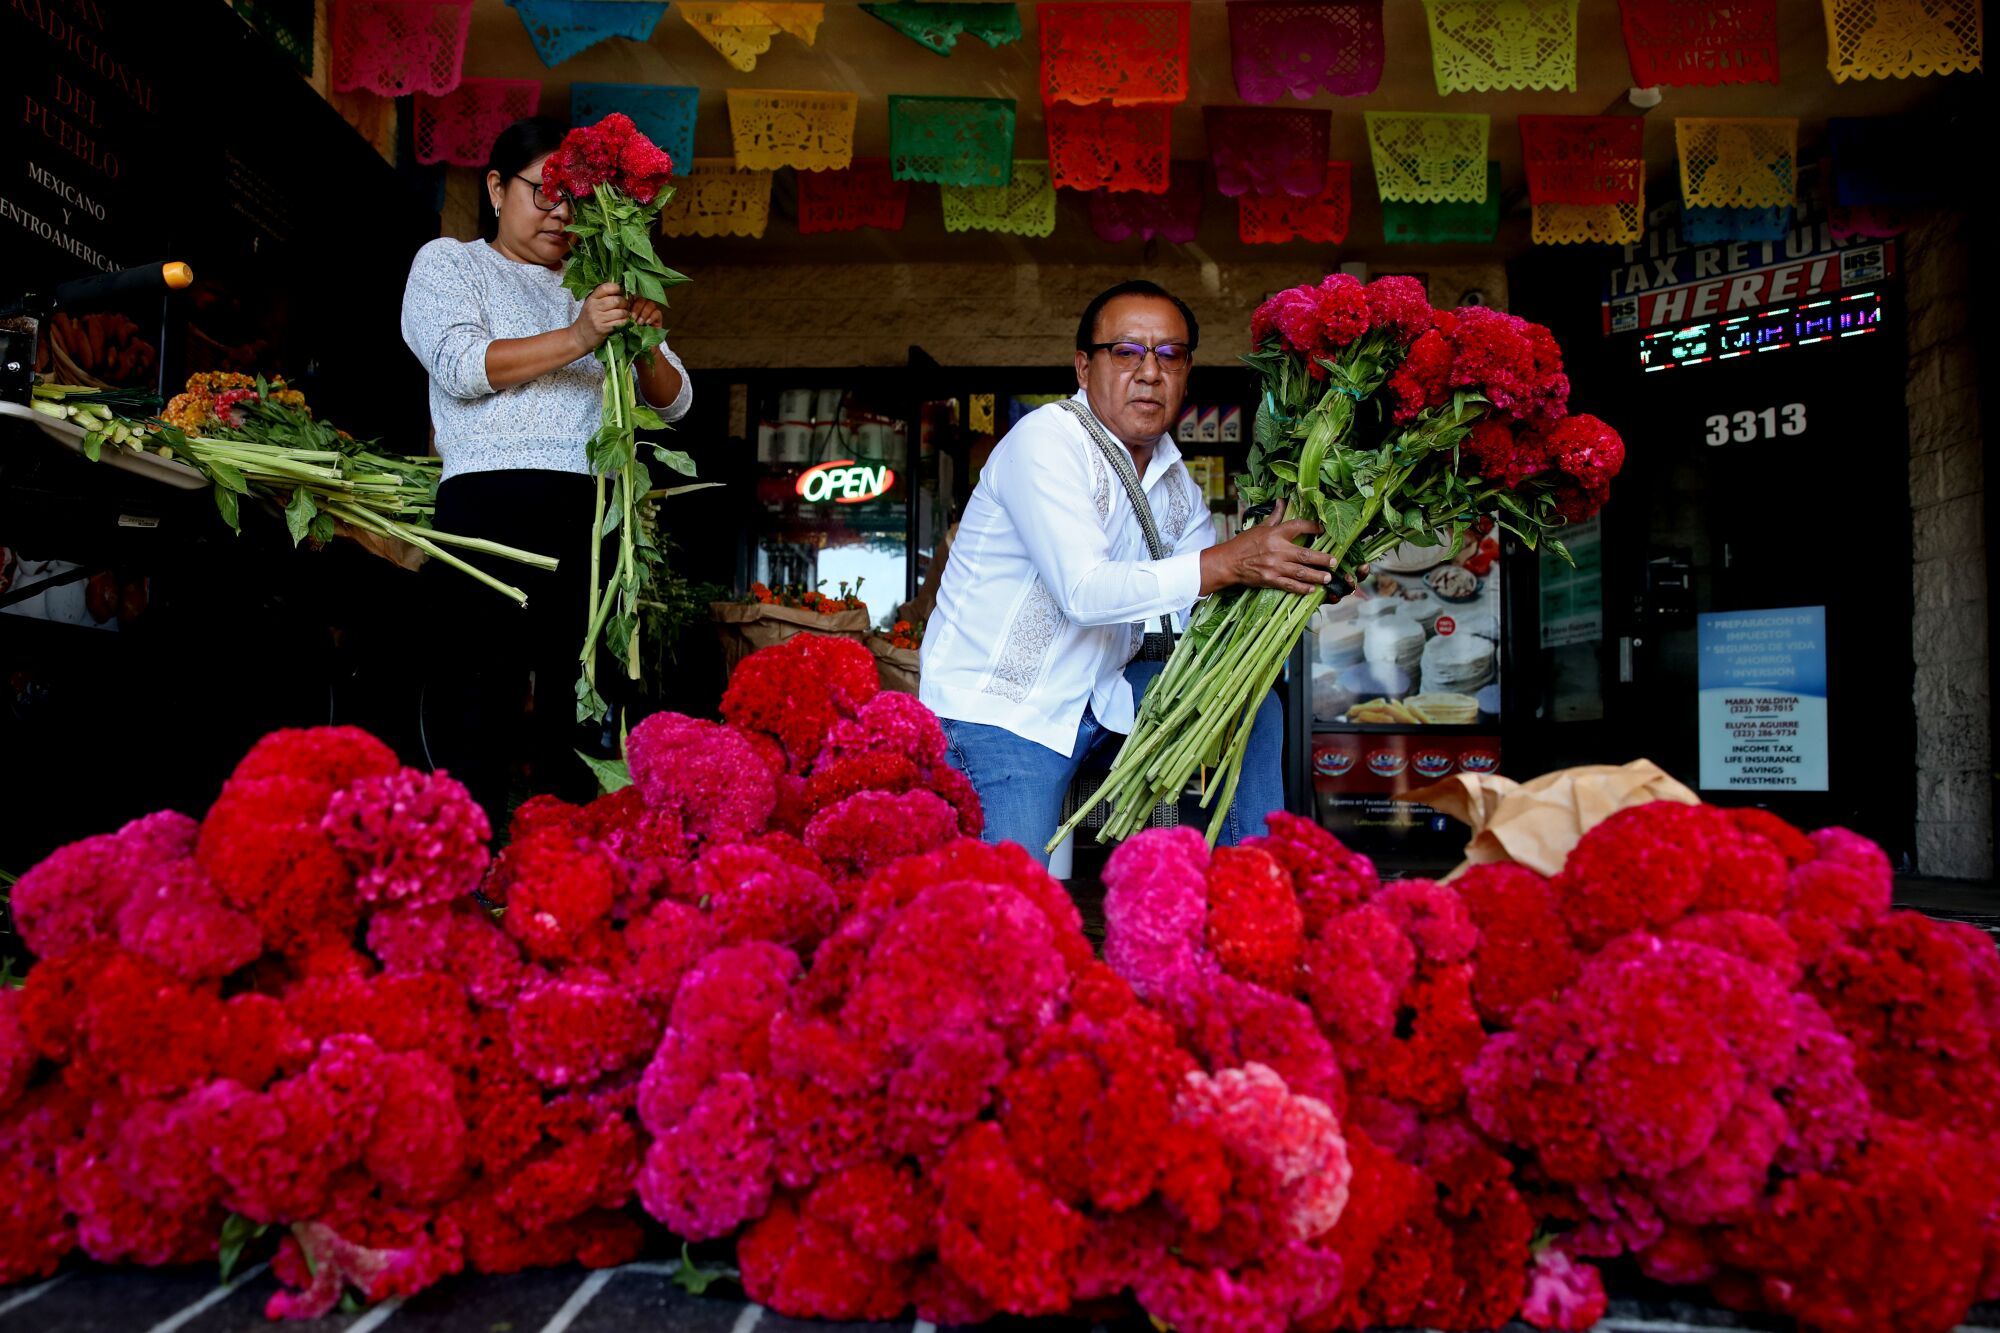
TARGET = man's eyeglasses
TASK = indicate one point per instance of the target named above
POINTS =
(1130, 356)
(540, 200)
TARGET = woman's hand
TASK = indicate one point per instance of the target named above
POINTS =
(604, 310)
(648, 312)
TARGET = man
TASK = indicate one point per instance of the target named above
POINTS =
(1048, 617)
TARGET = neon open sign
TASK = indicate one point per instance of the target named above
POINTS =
(845, 482)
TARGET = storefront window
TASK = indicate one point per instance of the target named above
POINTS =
(833, 493)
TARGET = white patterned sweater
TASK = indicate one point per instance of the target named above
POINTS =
(1050, 586)
(464, 295)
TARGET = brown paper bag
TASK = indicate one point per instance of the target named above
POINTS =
(744, 627)
(1537, 823)
(897, 667)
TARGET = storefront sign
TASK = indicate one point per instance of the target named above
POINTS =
(1357, 778)
(1662, 281)
(1762, 707)
(844, 482)
(1807, 324)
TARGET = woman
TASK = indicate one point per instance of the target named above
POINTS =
(515, 396)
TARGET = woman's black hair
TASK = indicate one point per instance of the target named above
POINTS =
(1086, 328)
(518, 145)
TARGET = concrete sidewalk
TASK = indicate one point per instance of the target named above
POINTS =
(569, 1300)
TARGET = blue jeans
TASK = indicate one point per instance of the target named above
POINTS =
(1021, 784)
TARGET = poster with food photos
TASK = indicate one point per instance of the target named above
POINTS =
(1416, 646)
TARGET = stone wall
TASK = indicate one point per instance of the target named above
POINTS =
(1948, 556)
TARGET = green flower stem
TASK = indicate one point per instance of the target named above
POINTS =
(1205, 700)
(485, 547)
(423, 542)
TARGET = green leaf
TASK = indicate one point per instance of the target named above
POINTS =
(618, 632)
(225, 504)
(645, 418)
(696, 1279)
(93, 445)
(672, 491)
(226, 475)
(613, 515)
(299, 514)
(590, 706)
(323, 528)
(1560, 551)
(675, 459)
(612, 774)
(237, 1232)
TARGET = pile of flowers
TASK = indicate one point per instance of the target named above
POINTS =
(809, 599)
(774, 989)
(907, 634)
(1708, 1044)
(1386, 423)
(216, 398)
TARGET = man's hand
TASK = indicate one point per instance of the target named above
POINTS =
(1268, 556)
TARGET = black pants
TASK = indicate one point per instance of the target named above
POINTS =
(480, 720)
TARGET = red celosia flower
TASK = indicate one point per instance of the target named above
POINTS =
(1155, 913)
(1002, 1232)
(710, 1171)
(557, 889)
(1642, 867)
(1326, 875)
(866, 770)
(870, 829)
(796, 691)
(35, 1229)
(720, 1024)
(1424, 379)
(1254, 926)
(409, 837)
(74, 895)
(1356, 971)
(809, 1268)
(1089, 1107)
(891, 722)
(1893, 1240)
(1524, 950)
(175, 917)
(956, 788)
(262, 846)
(460, 939)
(703, 774)
(567, 1032)
(664, 945)
(17, 1057)
(1400, 303)
(1588, 451)
(333, 755)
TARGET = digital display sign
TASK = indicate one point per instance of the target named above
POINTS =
(1805, 324)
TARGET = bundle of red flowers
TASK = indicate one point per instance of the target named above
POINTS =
(773, 990)
(617, 182)
(1387, 423)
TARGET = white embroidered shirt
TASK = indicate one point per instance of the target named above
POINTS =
(1049, 586)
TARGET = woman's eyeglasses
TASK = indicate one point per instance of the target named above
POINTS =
(540, 200)
(1130, 355)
